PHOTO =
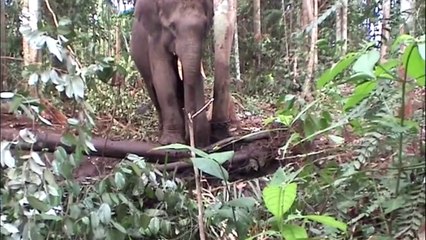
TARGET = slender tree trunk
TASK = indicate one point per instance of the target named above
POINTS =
(257, 30)
(344, 26)
(3, 42)
(224, 24)
(385, 28)
(31, 8)
(312, 10)
(237, 52)
(341, 26)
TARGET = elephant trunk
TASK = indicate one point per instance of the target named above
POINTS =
(190, 55)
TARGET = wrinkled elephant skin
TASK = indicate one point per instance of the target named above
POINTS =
(163, 31)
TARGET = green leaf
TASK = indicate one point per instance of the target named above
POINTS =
(37, 204)
(222, 157)
(328, 220)
(119, 180)
(293, 232)
(383, 70)
(401, 39)
(422, 50)
(338, 68)
(336, 139)
(94, 220)
(361, 91)
(118, 226)
(104, 213)
(178, 146)
(279, 199)
(54, 48)
(360, 77)
(210, 167)
(366, 62)
(244, 202)
(33, 79)
(393, 204)
(75, 211)
(414, 64)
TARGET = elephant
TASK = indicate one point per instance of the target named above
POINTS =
(164, 31)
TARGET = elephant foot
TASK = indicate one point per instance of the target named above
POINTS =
(170, 137)
(219, 131)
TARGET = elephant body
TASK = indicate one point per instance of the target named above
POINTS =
(163, 31)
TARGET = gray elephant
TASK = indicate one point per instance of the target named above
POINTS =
(163, 31)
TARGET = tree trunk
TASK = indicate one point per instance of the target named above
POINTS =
(3, 42)
(257, 30)
(385, 28)
(224, 24)
(341, 26)
(237, 52)
(312, 11)
(344, 25)
(31, 8)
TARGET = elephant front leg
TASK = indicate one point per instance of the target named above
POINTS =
(166, 87)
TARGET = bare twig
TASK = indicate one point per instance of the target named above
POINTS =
(197, 177)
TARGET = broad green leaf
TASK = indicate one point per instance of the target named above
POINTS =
(328, 220)
(77, 85)
(360, 77)
(37, 158)
(336, 139)
(75, 211)
(401, 39)
(361, 91)
(10, 228)
(392, 204)
(414, 64)
(366, 62)
(294, 232)
(6, 155)
(422, 50)
(119, 180)
(178, 146)
(33, 79)
(37, 204)
(54, 47)
(383, 70)
(118, 226)
(104, 213)
(279, 199)
(210, 167)
(338, 68)
(245, 202)
(94, 220)
(27, 136)
(222, 157)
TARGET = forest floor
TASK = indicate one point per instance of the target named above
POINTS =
(144, 128)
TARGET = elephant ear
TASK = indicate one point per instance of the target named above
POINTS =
(146, 12)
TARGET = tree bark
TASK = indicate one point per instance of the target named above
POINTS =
(385, 29)
(257, 31)
(118, 149)
(312, 11)
(3, 42)
(224, 24)
(31, 8)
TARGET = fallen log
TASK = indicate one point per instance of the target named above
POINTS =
(113, 149)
